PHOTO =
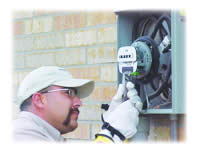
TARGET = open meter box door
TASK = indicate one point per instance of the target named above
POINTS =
(151, 48)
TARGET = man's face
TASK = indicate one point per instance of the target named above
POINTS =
(61, 109)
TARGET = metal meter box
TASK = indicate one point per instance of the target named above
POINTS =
(169, 54)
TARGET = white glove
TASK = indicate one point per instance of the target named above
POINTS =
(133, 96)
(116, 100)
(123, 116)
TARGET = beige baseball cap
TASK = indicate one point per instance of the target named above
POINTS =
(46, 76)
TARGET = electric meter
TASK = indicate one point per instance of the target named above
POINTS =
(127, 59)
(157, 39)
(143, 59)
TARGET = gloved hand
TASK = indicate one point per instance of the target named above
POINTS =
(123, 116)
(133, 96)
(116, 100)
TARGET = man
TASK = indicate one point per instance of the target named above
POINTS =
(49, 99)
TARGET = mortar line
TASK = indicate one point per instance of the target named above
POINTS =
(66, 48)
(96, 27)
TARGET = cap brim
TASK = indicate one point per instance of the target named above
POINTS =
(84, 87)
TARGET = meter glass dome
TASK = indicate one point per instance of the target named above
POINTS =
(143, 57)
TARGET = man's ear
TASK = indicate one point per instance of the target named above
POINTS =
(38, 100)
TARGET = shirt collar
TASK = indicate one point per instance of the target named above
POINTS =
(52, 131)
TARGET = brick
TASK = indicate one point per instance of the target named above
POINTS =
(159, 134)
(95, 128)
(181, 134)
(21, 76)
(81, 38)
(160, 128)
(107, 35)
(103, 93)
(71, 57)
(96, 18)
(38, 25)
(39, 59)
(23, 44)
(19, 61)
(108, 73)
(82, 132)
(69, 21)
(182, 127)
(28, 25)
(44, 12)
(101, 55)
(49, 41)
(43, 25)
(16, 80)
(90, 112)
(91, 73)
(18, 28)
(39, 42)
(22, 14)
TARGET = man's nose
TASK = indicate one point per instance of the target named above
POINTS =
(76, 102)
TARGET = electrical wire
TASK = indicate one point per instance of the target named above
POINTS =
(162, 32)
(164, 84)
(159, 23)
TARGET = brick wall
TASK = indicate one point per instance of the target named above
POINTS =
(85, 44)
(82, 42)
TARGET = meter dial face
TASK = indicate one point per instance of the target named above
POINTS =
(143, 57)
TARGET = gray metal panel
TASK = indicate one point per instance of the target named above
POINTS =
(157, 111)
(125, 25)
(178, 62)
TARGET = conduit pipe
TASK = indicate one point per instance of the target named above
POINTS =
(173, 127)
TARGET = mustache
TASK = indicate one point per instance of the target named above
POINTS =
(72, 110)
(66, 122)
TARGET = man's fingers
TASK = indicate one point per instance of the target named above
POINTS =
(131, 90)
(136, 101)
(131, 93)
(130, 86)
(139, 106)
